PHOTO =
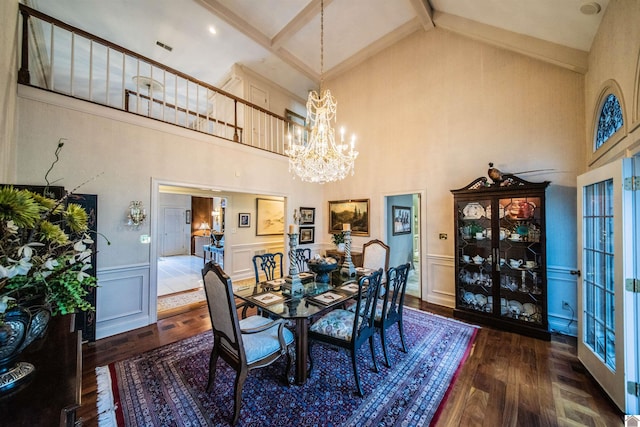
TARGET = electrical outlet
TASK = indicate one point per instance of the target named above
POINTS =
(442, 236)
(565, 305)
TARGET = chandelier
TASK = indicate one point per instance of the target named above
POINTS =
(320, 159)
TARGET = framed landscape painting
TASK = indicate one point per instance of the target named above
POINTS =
(307, 235)
(401, 220)
(269, 217)
(354, 212)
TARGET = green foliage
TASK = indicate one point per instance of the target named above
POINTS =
(338, 238)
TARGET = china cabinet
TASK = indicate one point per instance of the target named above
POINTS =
(500, 253)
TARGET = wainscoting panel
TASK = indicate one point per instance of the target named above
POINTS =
(439, 288)
(115, 314)
(562, 286)
(242, 257)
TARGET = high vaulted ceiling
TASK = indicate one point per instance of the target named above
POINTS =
(280, 39)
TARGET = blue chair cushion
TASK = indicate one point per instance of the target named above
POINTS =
(379, 304)
(262, 344)
(337, 324)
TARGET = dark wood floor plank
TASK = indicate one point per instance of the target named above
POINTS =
(508, 379)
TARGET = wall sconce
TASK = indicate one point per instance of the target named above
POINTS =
(137, 214)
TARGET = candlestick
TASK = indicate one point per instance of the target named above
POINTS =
(347, 266)
(293, 282)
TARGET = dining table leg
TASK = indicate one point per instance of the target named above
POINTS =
(301, 350)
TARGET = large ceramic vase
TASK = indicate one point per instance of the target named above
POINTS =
(322, 269)
(21, 327)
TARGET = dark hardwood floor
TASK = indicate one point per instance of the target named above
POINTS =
(508, 380)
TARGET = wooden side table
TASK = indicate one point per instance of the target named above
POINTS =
(216, 254)
(356, 257)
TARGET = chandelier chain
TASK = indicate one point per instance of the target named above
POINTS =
(314, 154)
(321, 44)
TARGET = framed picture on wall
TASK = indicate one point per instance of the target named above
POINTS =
(354, 212)
(401, 220)
(307, 235)
(269, 217)
(307, 215)
(244, 220)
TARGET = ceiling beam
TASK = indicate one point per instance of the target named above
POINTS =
(237, 22)
(254, 34)
(300, 20)
(566, 57)
(425, 13)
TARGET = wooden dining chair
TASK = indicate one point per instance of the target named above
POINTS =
(269, 264)
(375, 255)
(390, 306)
(348, 329)
(302, 256)
(244, 344)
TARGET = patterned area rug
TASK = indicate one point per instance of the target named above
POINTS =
(166, 386)
(172, 304)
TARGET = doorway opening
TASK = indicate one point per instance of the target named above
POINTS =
(403, 228)
(191, 226)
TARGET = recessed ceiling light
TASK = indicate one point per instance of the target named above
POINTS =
(212, 30)
(590, 8)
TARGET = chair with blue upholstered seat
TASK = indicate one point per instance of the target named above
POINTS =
(268, 264)
(345, 329)
(302, 256)
(389, 310)
(244, 344)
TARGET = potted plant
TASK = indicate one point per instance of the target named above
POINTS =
(45, 253)
(338, 240)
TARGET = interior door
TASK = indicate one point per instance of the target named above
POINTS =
(174, 232)
(605, 243)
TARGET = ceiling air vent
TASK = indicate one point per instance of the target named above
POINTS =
(164, 46)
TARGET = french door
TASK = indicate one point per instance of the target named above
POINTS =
(607, 298)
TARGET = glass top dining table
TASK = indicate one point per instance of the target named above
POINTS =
(316, 299)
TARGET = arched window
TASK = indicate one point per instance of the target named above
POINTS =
(610, 120)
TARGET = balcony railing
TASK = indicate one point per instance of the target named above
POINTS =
(61, 58)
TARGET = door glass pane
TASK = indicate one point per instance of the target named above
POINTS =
(474, 256)
(598, 261)
(520, 252)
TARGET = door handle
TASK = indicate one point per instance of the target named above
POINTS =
(575, 272)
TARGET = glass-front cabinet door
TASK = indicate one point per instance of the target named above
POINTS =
(474, 255)
(521, 258)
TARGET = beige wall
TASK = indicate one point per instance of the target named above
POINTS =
(615, 56)
(433, 110)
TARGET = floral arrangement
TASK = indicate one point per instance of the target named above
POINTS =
(45, 252)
